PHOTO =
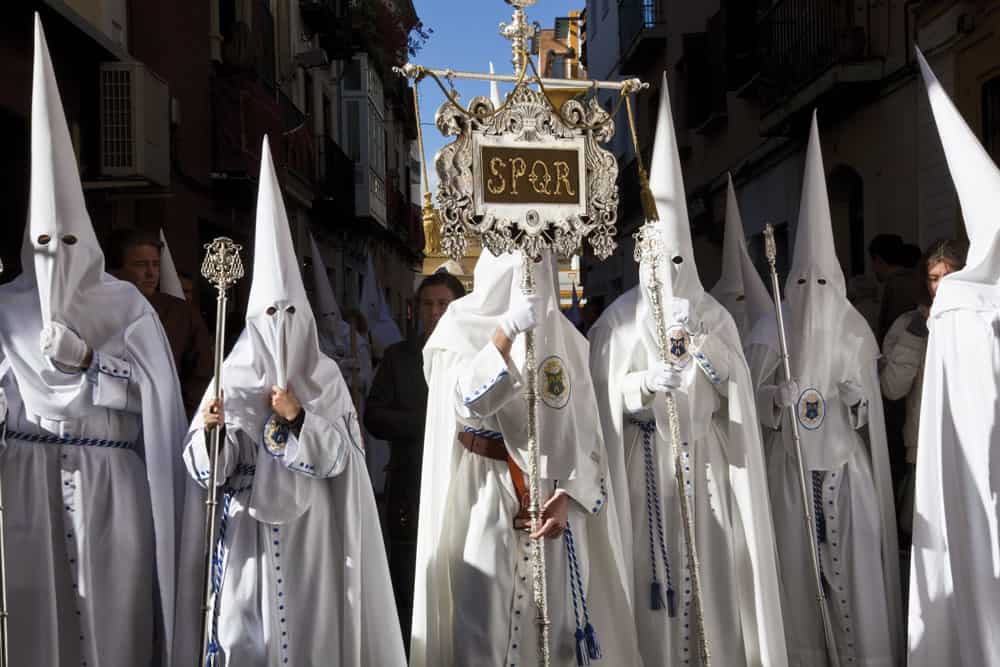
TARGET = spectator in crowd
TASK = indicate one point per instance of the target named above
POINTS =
(395, 411)
(134, 255)
(901, 368)
(901, 289)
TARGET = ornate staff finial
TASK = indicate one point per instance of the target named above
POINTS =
(519, 31)
(770, 247)
(222, 266)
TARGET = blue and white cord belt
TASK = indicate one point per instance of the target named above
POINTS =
(654, 517)
(587, 647)
(229, 492)
(79, 442)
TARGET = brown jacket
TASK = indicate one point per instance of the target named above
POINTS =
(190, 344)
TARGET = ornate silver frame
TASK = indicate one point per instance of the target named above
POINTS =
(527, 120)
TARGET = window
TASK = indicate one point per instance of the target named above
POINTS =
(557, 65)
(376, 141)
(352, 75)
(562, 28)
(991, 117)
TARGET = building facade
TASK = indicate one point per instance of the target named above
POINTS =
(745, 77)
(168, 105)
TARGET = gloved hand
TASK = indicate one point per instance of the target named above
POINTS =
(62, 345)
(787, 395)
(3, 406)
(524, 314)
(851, 393)
(661, 378)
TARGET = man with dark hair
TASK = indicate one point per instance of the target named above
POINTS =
(134, 255)
(901, 288)
(395, 411)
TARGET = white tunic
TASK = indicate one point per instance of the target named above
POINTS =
(79, 530)
(725, 482)
(289, 590)
(851, 550)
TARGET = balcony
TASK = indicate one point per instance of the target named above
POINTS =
(334, 22)
(642, 34)
(811, 49)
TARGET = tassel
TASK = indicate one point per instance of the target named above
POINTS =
(671, 603)
(582, 656)
(655, 596)
(593, 648)
(646, 197)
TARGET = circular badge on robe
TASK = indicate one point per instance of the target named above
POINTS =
(678, 346)
(553, 383)
(811, 409)
(275, 436)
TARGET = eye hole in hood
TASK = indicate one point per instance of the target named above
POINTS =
(69, 239)
(43, 239)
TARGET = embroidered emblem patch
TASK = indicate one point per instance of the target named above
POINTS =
(553, 383)
(811, 409)
(678, 352)
(275, 436)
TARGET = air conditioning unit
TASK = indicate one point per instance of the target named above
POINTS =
(135, 123)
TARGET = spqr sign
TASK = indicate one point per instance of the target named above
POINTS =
(530, 175)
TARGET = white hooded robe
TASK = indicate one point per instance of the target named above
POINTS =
(300, 568)
(724, 463)
(954, 607)
(472, 601)
(92, 480)
(844, 448)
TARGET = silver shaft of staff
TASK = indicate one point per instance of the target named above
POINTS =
(538, 572)
(651, 254)
(4, 636)
(833, 656)
(223, 268)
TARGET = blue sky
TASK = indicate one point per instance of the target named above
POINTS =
(466, 38)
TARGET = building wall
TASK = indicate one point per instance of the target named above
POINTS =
(879, 140)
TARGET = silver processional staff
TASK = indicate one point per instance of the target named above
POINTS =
(223, 268)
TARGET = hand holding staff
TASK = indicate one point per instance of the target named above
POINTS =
(833, 657)
(222, 267)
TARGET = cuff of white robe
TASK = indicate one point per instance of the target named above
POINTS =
(110, 377)
(634, 395)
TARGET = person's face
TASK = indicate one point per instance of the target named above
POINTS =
(142, 268)
(188, 288)
(434, 300)
(935, 272)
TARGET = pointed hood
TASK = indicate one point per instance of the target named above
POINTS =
(279, 346)
(815, 253)
(60, 245)
(976, 179)
(384, 330)
(740, 288)
(334, 332)
(170, 281)
(495, 91)
(276, 275)
(666, 180)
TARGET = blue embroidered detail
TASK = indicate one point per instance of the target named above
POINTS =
(280, 593)
(705, 365)
(654, 510)
(481, 391)
(81, 442)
